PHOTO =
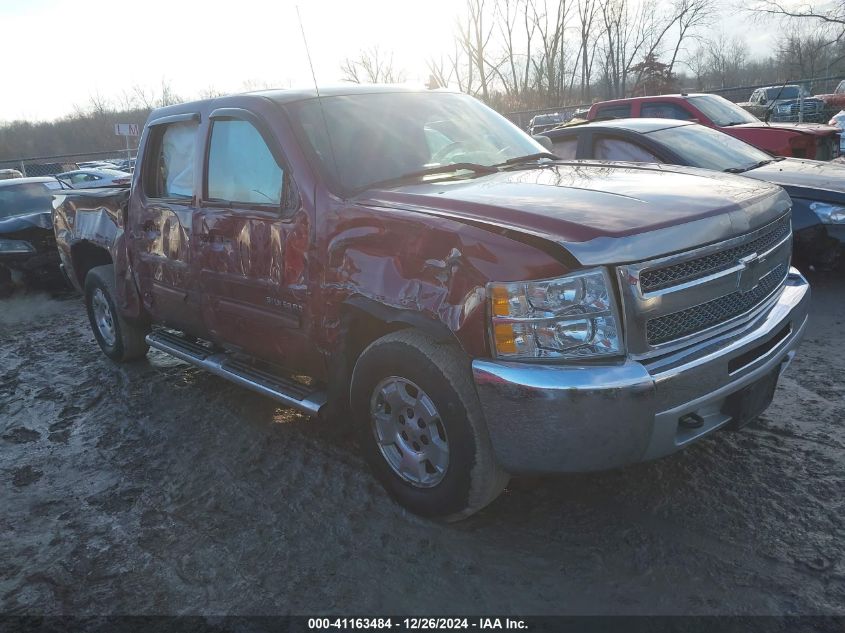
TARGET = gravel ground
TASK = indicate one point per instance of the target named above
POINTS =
(157, 488)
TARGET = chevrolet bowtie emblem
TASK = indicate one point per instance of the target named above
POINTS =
(750, 275)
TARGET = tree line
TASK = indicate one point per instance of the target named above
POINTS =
(532, 54)
(527, 54)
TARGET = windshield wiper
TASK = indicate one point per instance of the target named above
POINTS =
(739, 170)
(528, 158)
(476, 168)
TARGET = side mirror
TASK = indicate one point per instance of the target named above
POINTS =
(545, 141)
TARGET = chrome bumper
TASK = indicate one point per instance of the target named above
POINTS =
(568, 418)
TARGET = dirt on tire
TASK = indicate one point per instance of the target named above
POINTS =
(157, 488)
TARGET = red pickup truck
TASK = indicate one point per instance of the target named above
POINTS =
(411, 263)
(799, 140)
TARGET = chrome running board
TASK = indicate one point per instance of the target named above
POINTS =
(280, 388)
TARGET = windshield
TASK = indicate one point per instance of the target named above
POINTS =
(378, 137)
(24, 198)
(721, 111)
(788, 92)
(705, 147)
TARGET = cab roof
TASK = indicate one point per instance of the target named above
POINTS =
(291, 95)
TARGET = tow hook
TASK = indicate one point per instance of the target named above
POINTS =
(691, 421)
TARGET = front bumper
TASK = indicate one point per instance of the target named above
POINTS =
(567, 418)
(34, 267)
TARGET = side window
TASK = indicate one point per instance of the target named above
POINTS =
(566, 147)
(617, 149)
(241, 168)
(170, 166)
(614, 112)
(664, 111)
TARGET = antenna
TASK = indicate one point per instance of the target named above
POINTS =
(317, 90)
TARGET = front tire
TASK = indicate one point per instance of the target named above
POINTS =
(421, 427)
(119, 339)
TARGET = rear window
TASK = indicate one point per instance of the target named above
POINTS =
(614, 112)
(664, 111)
(24, 198)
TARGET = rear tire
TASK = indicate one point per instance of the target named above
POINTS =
(421, 427)
(119, 339)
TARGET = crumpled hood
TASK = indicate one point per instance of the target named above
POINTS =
(39, 219)
(817, 179)
(601, 212)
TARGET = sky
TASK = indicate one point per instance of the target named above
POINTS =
(58, 54)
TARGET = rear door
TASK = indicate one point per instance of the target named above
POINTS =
(160, 222)
(252, 241)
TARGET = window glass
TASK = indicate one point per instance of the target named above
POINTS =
(241, 167)
(721, 111)
(24, 198)
(664, 111)
(173, 167)
(787, 92)
(705, 147)
(566, 147)
(614, 112)
(617, 149)
(362, 139)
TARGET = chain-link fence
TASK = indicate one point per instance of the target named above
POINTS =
(811, 111)
(52, 165)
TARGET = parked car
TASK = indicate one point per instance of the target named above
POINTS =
(97, 164)
(28, 254)
(93, 178)
(542, 122)
(764, 101)
(838, 121)
(127, 165)
(817, 188)
(7, 174)
(476, 310)
(836, 99)
(806, 140)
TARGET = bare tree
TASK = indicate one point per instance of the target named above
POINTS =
(831, 14)
(725, 59)
(371, 66)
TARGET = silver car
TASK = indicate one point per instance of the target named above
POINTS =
(90, 178)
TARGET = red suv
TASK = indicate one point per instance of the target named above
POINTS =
(800, 140)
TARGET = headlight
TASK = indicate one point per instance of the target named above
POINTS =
(570, 317)
(15, 246)
(783, 109)
(828, 213)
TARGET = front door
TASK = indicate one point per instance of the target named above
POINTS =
(160, 224)
(251, 244)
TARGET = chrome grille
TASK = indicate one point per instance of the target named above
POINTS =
(706, 315)
(659, 278)
(680, 299)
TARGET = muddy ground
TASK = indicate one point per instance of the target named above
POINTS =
(158, 488)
